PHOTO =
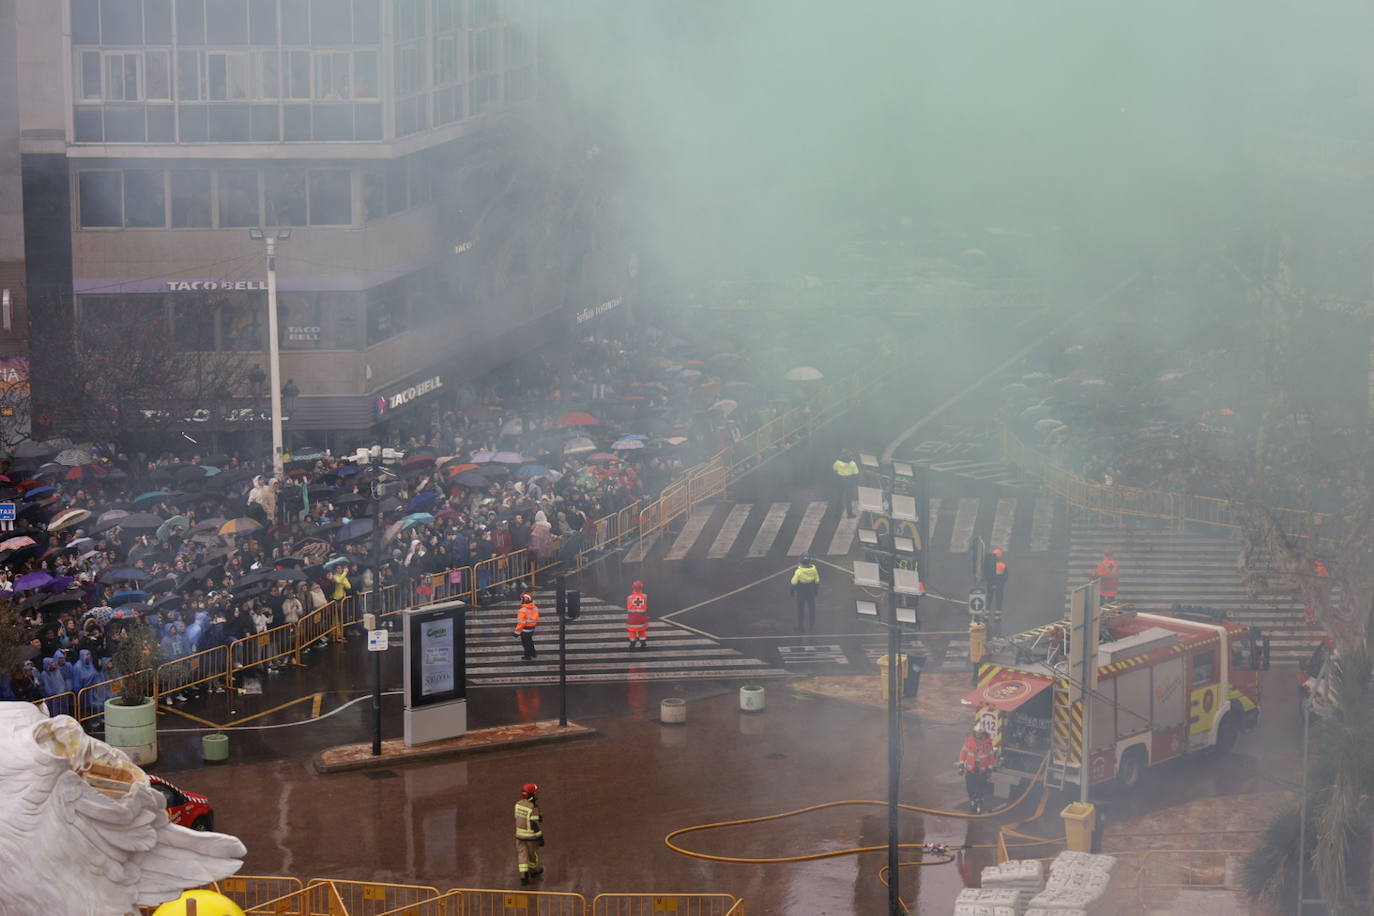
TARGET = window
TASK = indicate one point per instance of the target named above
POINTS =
(191, 22)
(85, 22)
(262, 22)
(331, 75)
(144, 198)
(484, 12)
(1204, 668)
(409, 19)
(191, 198)
(157, 22)
(483, 51)
(367, 22)
(99, 198)
(386, 312)
(365, 75)
(331, 197)
(295, 22)
(89, 64)
(226, 22)
(286, 197)
(444, 15)
(121, 22)
(121, 76)
(190, 76)
(408, 73)
(374, 193)
(238, 197)
(227, 75)
(157, 76)
(298, 75)
(193, 322)
(486, 91)
(396, 191)
(298, 319)
(331, 22)
(269, 83)
(446, 59)
(240, 322)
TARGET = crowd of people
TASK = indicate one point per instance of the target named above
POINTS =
(207, 549)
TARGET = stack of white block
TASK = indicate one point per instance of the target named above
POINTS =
(1078, 886)
(1021, 874)
(986, 901)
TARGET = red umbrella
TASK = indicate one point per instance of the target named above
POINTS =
(578, 418)
(84, 472)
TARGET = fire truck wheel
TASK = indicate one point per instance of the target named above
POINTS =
(1227, 732)
(1130, 774)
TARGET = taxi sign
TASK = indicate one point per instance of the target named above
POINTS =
(378, 640)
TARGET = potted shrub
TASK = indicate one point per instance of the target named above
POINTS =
(131, 716)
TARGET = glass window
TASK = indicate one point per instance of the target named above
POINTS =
(374, 193)
(269, 82)
(331, 197)
(162, 124)
(121, 77)
(265, 127)
(331, 75)
(262, 22)
(484, 12)
(157, 22)
(367, 22)
(408, 19)
(396, 197)
(296, 122)
(367, 122)
(299, 324)
(227, 75)
(1204, 668)
(121, 22)
(365, 75)
(193, 123)
(157, 76)
(240, 322)
(238, 197)
(298, 75)
(99, 198)
(483, 51)
(191, 22)
(407, 69)
(331, 22)
(285, 197)
(190, 80)
(446, 59)
(332, 121)
(144, 198)
(193, 322)
(443, 15)
(486, 91)
(295, 22)
(386, 312)
(124, 124)
(190, 198)
(226, 22)
(86, 123)
(90, 64)
(230, 123)
(85, 22)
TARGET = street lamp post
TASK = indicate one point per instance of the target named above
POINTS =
(273, 343)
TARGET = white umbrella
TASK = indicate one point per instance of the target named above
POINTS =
(804, 374)
(73, 457)
(725, 406)
(625, 444)
(578, 445)
(1047, 424)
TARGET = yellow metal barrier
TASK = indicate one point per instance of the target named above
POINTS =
(321, 623)
(371, 898)
(250, 890)
(655, 904)
(737, 909)
(59, 704)
(485, 902)
(450, 904)
(262, 648)
(312, 900)
(90, 701)
(191, 670)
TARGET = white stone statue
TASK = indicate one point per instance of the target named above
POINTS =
(81, 830)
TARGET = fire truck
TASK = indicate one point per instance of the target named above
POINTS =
(1167, 686)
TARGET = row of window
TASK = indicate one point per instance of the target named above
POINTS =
(202, 198)
(226, 122)
(225, 76)
(227, 22)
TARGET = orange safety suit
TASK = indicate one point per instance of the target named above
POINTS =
(526, 619)
(977, 755)
(1107, 574)
(637, 616)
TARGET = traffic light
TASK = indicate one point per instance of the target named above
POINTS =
(574, 605)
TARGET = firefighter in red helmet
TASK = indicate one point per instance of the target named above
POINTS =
(529, 833)
(637, 615)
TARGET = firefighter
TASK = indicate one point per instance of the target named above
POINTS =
(847, 480)
(806, 582)
(976, 760)
(527, 618)
(529, 833)
(1107, 575)
(637, 615)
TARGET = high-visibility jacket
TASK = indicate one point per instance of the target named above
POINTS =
(1107, 575)
(806, 579)
(529, 824)
(527, 618)
(978, 755)
(637, 609)
(846, 468)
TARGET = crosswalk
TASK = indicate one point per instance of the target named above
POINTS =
(788, 529)
(597, 650)
(1162, 568)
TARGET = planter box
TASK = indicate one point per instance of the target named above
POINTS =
(132, 729)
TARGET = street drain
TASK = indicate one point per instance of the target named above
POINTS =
(380, 774)
(774, 756)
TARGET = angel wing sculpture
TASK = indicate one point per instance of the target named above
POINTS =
(82, 831)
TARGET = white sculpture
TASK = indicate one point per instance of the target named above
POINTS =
(81, 830)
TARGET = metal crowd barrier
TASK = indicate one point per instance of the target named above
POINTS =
(652, 904)
(450, 904)
(372, 898)
(486, 902)
(250, 890)
(264, 648)
(190, 671)
(312, 900)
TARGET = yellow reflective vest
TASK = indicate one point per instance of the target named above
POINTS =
(527, 820)
(846, 468)
(806, 575)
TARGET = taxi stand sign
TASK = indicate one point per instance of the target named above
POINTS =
(6, 516)
(378, 640)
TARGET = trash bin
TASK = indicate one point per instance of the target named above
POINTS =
(882, 672)
(214, 748)
(977, 642)
(1079, 820)
(912, 682)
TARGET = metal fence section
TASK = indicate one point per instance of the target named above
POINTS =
(90, 701)
(484, 902)
(655, 904)
(312, 900)
(262, 648)
(192, 670)
(250, 890)
(372, 898)
(59, 704)
(449, 904)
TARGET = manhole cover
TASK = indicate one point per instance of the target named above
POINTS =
(775, 756)
(380, 774)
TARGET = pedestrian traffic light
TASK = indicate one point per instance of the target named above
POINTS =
(573, 606)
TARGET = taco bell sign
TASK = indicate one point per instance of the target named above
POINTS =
(186, 286)
(386, 402)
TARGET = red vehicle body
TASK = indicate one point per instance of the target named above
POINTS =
(185, 808)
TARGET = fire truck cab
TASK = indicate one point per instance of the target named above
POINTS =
(1166, 686)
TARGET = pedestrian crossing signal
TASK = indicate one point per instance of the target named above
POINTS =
(572, 606)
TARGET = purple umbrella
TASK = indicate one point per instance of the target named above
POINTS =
(507, 458)
(482, 457)
(59, 585)
(30, 581)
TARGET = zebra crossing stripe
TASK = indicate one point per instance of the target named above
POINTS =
(806, 531)
(637, 552)
(934, 519)
(964, 520)
(1042, 524)
(1001, 524)
(725, 537)
(768, 531)
(843, 541)
(690, 532)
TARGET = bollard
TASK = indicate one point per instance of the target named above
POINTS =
(214, 748)
(672, 711)
(751, 698)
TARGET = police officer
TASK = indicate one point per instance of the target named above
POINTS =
(529, 833)
(526, 619)
(847, 480)
(806, 582)
(637, 615)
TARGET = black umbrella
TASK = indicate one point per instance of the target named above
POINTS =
(286, 575)
(139, 520)
(157, 586)
(122, 574)
(63, 602)
(348, 499)
(167, 603)
(289, 562)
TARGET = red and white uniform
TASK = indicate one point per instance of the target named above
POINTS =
(637, 614)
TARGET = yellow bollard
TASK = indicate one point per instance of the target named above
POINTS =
(1080, 819)
(977, 642)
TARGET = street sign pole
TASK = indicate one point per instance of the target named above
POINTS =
(561, 606)
(378, 639)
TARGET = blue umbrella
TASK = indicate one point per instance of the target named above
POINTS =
(336, 562)
(635, 436)
(131, 596)
(39, 492)
(533, 470)
(151, 498)
(418, 518)
(422, 502)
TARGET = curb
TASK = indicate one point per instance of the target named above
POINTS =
(476, 742)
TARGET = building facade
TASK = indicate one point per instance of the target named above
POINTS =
(157, 133)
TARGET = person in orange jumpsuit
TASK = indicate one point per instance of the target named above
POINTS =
(637, 615)
(976, 759)
(526, 619)
(1107, 575)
